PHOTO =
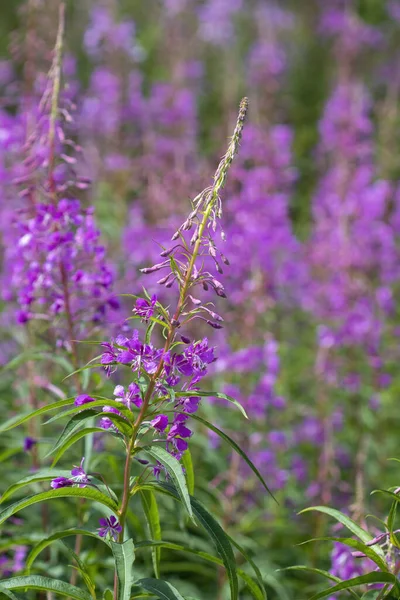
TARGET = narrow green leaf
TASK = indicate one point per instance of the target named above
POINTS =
(203, 394)
(174, 468)
(150, 508)
(374, 553)
(394, 497)
(237, 449)
(216, 533)
(344, 520)
(72, 439)
(189, 472)
(161, 589)
(258, 594)
(369, 578)
(58, 535)
(37, 582)
(7, 593)
(43, 475)
(108, 595)
(320, 572)
(124, 555)
(252, 564)
(99, 401)
(18, 419)
(4, 456)
(81, 568)
(68, 492)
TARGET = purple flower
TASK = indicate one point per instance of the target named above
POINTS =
(109, 526)
(145, 308)
(83, 399)
(138, 355)
(79, 475)
(29, 443)
(61, 482)
(160, 423)
(132, 396)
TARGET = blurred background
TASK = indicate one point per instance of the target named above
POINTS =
(310, 343)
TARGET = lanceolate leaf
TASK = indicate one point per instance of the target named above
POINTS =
(99, 402)
(369, 578)
(236, 448)
(37, 582)
(203, 394)
(344, 520)
(174, 468)
(216, 533)
(257, 592)
(150, 508)
(108, 595)
(124, 555)
(189, 472)
(36, 550)
(7, 593)
(320, 572)
(68, 492)
(72, 439)
(74, 423)
(373, 552)
(43, 475)
(251, 563)
(161, 589)
(18, 420)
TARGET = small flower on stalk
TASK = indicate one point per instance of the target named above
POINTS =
(79, 475)
(145, 308)
(160, 423)
(109, 527)
(83, 399)
(132, 396)
(61, 482)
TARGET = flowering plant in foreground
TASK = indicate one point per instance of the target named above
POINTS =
(151, 416)
(367, 561)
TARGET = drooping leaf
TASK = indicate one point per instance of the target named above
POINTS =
(124, 555)
(189, 472)
(369, 578)
(81, 567)
(160, 588)
(320, 572)
(217, 534)
(58, 535)
(174, 469)
(150, 508)
(19, 419)
(251, 563)
(203, 394)
(99, 402)
(4, 591)
(67, 492)
(37, 582)
(373, 552)
(237, 449)
(258, 594)
(43, 475)
(363, 535)
(72, 439)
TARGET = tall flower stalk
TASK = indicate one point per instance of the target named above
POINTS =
(206, 211)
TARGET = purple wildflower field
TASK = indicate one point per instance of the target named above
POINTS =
(200, 269)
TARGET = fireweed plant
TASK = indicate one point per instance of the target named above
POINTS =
(367, 564)
(151, 416)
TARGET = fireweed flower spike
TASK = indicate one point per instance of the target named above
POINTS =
(159, 373)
